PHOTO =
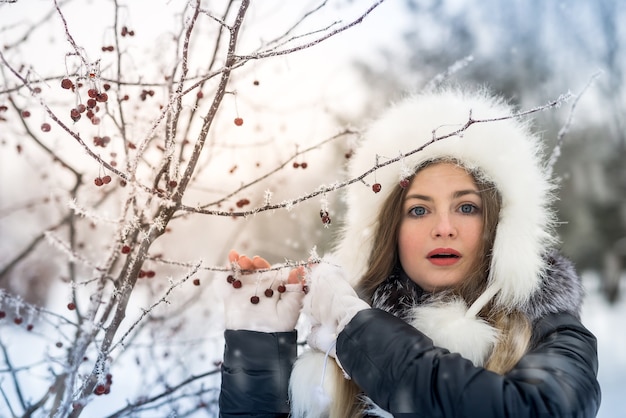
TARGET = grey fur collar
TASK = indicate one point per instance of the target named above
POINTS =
(560, 290)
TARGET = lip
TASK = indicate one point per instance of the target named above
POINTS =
(443, 261)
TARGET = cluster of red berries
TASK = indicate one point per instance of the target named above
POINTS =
(101, 141)
(145, 93)
(109, 48)
(325, 217)
(18, 320)
(236, 283)
(127, 32)
(104, 388)
(302, 165)
(148, 274)
(101, 181)
(91, 108)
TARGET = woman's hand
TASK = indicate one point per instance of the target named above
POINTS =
(266, 301)
(330, 303)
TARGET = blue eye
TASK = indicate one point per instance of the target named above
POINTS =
(468, 208)
(417, 211)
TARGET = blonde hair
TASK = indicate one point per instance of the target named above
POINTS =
(513, 326)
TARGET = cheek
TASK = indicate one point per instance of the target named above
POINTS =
(409, 239)
(474, 233)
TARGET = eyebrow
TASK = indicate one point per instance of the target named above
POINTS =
(455, 195)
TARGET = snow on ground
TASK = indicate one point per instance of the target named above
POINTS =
(607, 323)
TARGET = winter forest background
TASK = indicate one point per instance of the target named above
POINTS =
(141, 140)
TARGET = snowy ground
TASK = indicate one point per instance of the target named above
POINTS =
(607, 323)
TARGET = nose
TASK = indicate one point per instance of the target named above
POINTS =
(444, 227)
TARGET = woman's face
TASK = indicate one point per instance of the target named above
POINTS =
(441, 226)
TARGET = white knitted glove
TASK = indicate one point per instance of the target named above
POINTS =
(264, 302)
(330, 304)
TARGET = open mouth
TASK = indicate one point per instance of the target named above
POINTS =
(444, 256)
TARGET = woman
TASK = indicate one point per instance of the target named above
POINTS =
(464, 306)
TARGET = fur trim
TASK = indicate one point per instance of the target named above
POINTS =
(311, 385)
(504, 152)
(561, 290)
(449, 325)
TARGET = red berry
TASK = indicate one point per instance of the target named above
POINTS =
(230, 278)
(254, 300)
(59, 344)
(238, 121)
(98, 181)
(29, 327)
(91, 103)
(281, 288)
(172, 184)
(75, 114)
(45, 127)
(106, 179)
(125, 249)
(255, 82)
(25, 113)
(303, 165)
(102, 97)
(18, 320)
(237, 284)
(99, 390)
(71, 306)
(93, 93)
(2, 314)
(107, 86)
(196, 282)
(296, 165)
(376, 187)
(67, 84)
(269, 293)
(150, 274)
(242, 202)
(404, 183)
(326, 220)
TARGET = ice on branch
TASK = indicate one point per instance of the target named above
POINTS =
(81, 211)
(267, 197)
(71, 255)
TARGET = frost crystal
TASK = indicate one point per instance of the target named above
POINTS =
(267, 197)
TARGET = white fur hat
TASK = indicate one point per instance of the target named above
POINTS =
(505, 152)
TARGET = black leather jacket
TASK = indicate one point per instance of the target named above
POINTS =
(400, 369)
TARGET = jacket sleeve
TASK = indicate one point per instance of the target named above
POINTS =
(255, 373)
(400, 369)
